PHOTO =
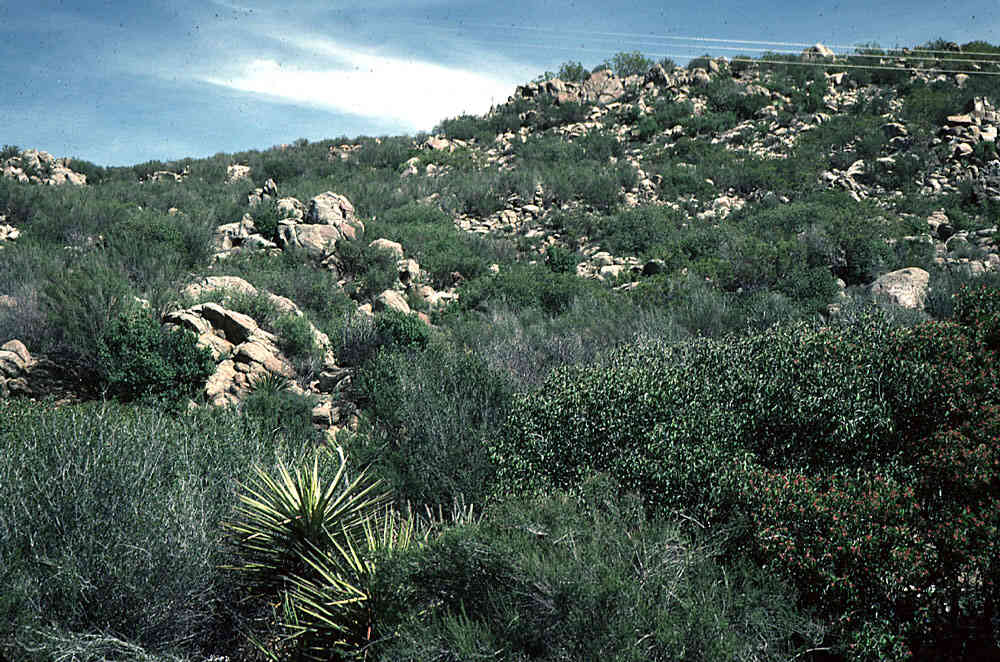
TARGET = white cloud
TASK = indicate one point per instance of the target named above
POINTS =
(413, 93)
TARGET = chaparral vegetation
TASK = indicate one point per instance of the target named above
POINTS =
(647, 363)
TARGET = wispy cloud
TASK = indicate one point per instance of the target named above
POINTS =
(414, 93)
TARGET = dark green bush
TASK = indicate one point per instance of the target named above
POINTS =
(295, 337)
(138, 359)
(80, 305)
(265, 219)
(561, 260)
(525, 286)
(430, 409)
(627, 64)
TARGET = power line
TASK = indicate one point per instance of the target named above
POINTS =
(716, 40)
(864, 66)
(828, 65)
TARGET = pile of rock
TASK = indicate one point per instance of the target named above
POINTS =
(965, 130)
(600, 87)
(315, 227)
(15, 364)
(33, 166)
(22, 375)
(411, 279)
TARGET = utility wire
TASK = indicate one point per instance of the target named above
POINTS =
(829, 65)
(715, 40)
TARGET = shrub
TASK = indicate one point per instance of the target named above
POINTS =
(525, 286)
(295, 336)
(265, 219)
(572, 72)
(589, 578)
(279, 411)
(109, 539)
(430, 410)
(561, 260)
(627, 64)
(137, 359)
(308, 541)
(82, 305)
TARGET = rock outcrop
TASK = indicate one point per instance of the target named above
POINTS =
(905, 287)
(33, 166)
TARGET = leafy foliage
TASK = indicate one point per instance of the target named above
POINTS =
(137, 359)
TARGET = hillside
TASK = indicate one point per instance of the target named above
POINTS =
(649, 362)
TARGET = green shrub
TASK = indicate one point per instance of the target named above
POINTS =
(279, 411)
(525, 286)
(295, 336)
(430, 410)
(265, 219)
(137, 359)
(109, 538)
(583, 579)
(80, 305)
(431, 238)
(561, 260)
(627, 64)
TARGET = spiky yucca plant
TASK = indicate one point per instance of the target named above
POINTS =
(311, 546)
(283, 519)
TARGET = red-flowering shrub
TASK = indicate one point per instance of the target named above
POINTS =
(903, 557)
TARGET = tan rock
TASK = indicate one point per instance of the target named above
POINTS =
(210, 284)
(237, 327)
(237, 172)
(602, 87)
(387, 246)
(409, 271)
(334, 209)
(817, 51)
(15, 361)
(318, 240)
(391, 300)
(905, 287)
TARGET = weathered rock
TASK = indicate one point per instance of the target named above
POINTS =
(391, 300)
(409, 271)
(336, 210)
(14, 359)
(237, 172)
(905, 287)
(817, 51)
(318, 240)
(236, 327)
(8, 233)
(602, 87)
(291, 208)
(384, 245)
(210, 284)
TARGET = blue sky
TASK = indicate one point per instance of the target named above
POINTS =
(118, 82)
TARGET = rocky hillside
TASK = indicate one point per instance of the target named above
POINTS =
(622, 179)
(710, 351)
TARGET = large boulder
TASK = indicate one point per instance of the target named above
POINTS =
(905, 287)
(817, 51)
(336, 210)
(602, 87)
(243, 351)
(15, 364)
(236, 172)
(392, 300)
(317, 240)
